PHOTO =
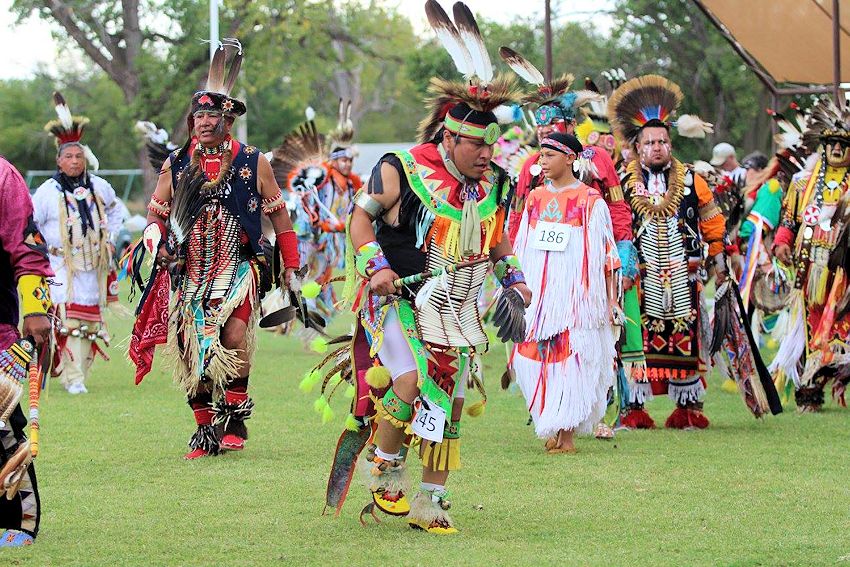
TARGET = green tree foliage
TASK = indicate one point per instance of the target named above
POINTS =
(27, 106)
(672, 38)
(303, 53)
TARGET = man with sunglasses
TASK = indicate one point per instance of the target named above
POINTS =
(813, 236)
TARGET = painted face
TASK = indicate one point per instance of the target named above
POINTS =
(654, 148)
(71, 160)
(471, 156)
(562, 126)
(211, 128)
(838, 152)
(343, 165)
(554, 164)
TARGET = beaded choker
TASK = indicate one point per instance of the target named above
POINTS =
(219, 149)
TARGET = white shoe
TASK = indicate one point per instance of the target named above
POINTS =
(77, 389)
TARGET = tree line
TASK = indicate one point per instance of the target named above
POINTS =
(143, 60)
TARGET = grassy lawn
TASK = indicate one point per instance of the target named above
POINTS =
(115, 490)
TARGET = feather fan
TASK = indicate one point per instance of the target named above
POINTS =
(629, 104)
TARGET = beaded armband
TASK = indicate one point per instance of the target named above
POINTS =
(615, 194)
(274, 204)
(628, 259)
(35, 294)
(508, 271)
(709, 210)
(159, 208)
(370, 259)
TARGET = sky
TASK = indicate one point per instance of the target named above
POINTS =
(30, 45)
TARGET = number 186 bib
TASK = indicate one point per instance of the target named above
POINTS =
(551, 236)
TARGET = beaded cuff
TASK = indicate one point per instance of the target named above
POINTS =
(508, 271)
(287, 242)
(35, 294)
(274, 204)
(370, 259)
(628, 259)
(159, 208)
(709, 210)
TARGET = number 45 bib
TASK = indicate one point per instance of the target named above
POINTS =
(429, 420)
(551, 236)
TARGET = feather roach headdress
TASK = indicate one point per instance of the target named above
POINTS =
(215, 96)
(651, 100)
(553, 100)
(826, 121)
(68, 129)
(300, 157)
(339, 139)
(465, 108)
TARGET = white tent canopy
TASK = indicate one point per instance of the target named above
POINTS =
(792, 40)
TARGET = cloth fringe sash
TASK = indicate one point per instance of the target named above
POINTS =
(101, 264)
(202, 353)
(443, 456)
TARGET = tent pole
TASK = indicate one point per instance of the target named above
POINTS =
(766, 79)
(836, 51)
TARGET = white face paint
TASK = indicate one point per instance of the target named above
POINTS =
(655, 148)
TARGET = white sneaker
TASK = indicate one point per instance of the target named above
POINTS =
(77, 389)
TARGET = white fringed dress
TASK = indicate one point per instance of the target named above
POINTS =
(566, 365)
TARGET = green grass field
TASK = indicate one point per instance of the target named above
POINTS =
(115, 490)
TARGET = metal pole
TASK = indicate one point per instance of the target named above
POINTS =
(213, 27)
(774, 105)
(242, 124)
(836, 52)
(548, 34)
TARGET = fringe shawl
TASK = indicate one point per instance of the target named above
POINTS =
(565, 297)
